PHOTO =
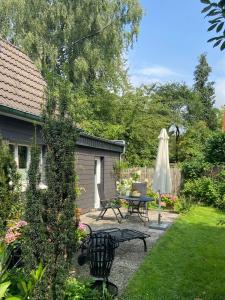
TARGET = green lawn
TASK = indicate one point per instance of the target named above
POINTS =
(188, 262)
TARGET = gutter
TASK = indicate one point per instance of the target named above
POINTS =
(24, 116)
(11, 112)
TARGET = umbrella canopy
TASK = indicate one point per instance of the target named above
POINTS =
(162, 178)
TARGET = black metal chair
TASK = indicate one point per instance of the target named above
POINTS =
(108, 204)
(137, 206)
(101, 253)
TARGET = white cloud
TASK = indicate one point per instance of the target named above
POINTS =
(158, 71)
(138, 80)
(154, 74)
(220, 91)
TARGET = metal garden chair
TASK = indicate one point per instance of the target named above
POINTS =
(108, 204)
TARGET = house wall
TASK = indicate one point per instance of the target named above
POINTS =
(18, 131)
(85, 160)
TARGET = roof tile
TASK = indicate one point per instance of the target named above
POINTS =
(21, 84)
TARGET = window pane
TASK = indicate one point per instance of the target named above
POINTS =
(22, 156)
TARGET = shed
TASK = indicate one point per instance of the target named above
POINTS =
(21, 97)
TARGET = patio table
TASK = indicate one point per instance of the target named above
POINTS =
(138, 205)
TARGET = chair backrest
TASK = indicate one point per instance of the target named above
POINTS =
(141, 187)
(101, 191)
(101, 253)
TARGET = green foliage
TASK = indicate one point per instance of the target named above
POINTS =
(214, 10)
(203, 190)
(118, 167)
(183, 205)
(215, 148)
(10, 198)
(192, 142)
(206, 91)
(193, 169)
(83, 40)
(76, 290)
(15, 285)
(50, 213)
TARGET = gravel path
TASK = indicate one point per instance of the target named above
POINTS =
(130, 254)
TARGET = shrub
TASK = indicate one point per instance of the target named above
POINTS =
(194, 168)
(202, 190)
(169, 200)
(76, 290)
(182, 205)
(10, 199)
(50, 214)
(215, 148)
(220, 202)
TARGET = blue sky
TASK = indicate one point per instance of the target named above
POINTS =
(173, 34)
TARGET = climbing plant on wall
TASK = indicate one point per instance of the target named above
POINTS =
(50, 213)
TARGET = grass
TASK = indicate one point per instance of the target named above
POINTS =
(188, 262)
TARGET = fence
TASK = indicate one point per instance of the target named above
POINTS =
(146, 174)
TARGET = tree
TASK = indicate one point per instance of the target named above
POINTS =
(215, 11)
(82, 40)
(192, 142)
(183, 105)
(206, 91)
(50, 235)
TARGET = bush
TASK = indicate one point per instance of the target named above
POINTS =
(10, 199)
(215, 148)
(76, 290)
(204, 190)
(182, 205)
(194, 168)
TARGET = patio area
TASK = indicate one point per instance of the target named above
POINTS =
(130, 254)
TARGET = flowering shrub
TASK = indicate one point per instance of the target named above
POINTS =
(80, 232)
(14, 232)
(168, 200)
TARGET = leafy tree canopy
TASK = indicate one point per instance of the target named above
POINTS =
(215, 11)
(206, 91)
(82, 40)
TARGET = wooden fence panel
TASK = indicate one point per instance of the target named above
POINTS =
(146, 174)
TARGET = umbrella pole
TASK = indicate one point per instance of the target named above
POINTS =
(159, 214)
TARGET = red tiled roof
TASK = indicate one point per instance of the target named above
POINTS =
(21, 85)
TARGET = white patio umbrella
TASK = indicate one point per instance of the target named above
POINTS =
(162, 178)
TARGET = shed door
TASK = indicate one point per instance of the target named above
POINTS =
(98, 178)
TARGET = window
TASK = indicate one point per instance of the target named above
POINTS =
(21, 154)
(22, 157)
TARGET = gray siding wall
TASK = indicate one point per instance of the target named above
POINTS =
(19, 131)
(85, 160)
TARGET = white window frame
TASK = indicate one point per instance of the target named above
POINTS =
(16, 158)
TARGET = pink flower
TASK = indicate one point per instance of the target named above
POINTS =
(11, 237)
(82, 226)
(163, 204)
(21, 223)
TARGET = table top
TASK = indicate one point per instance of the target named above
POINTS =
(141, 198)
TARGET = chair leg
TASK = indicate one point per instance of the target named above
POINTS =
(120, 213)
(101, 215)
(145, 246)
(116, 215)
